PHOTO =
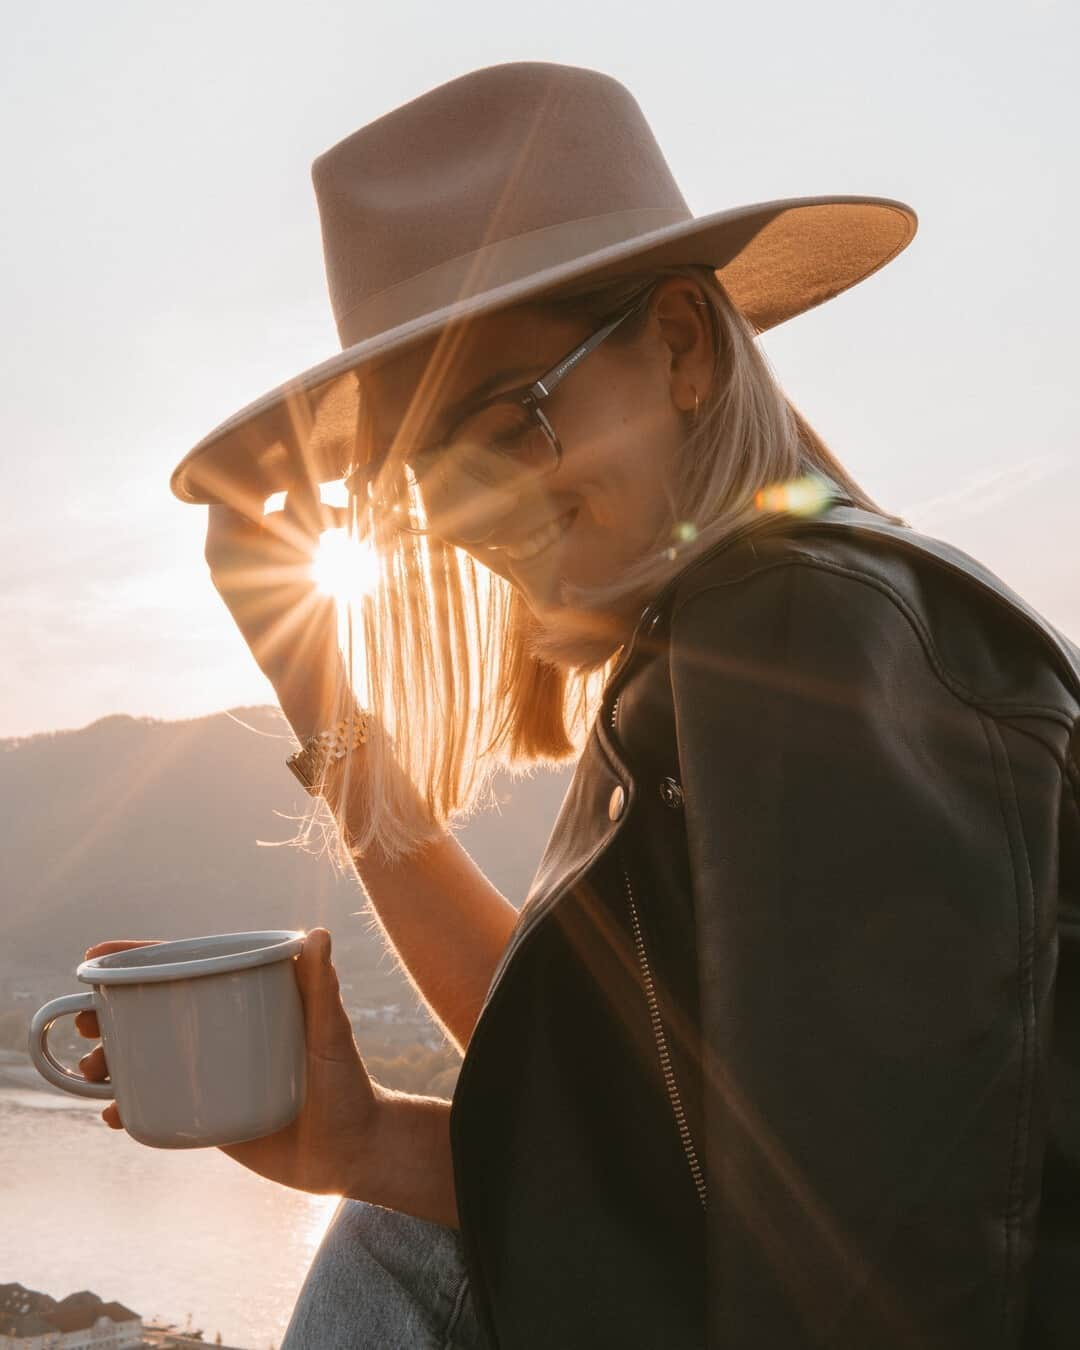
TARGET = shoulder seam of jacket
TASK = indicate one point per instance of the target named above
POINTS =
(1015, 720)
(955, 686)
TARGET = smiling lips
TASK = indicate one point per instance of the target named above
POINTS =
(534, 544)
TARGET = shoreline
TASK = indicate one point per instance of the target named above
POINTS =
(17, 1073)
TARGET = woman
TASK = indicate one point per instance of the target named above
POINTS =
(766, 1058)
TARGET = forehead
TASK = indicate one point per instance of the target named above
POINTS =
(417, 387)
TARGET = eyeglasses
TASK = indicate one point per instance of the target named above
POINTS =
(459, 488)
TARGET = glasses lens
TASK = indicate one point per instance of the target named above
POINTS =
(464, 486)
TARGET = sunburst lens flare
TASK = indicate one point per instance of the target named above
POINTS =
(344, 568)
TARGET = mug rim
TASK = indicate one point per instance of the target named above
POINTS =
(259, 948)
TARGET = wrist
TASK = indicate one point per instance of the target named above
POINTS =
(316, 763)
(311, 706)
(404, 1161)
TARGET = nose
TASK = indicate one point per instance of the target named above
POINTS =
(471, 519)
(472, 508)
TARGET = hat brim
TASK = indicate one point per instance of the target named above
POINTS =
(774, 259)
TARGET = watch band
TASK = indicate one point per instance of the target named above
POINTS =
(310, 763)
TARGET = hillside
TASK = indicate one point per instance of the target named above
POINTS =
(141, 828)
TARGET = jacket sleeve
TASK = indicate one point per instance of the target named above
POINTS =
(865, 929)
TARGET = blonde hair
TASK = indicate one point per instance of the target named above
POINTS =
(461, 679)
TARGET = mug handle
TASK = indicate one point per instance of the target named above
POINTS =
(50, 1068)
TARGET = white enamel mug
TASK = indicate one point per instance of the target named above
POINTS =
(203, 1038)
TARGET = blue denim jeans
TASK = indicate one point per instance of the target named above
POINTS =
(387, 1280)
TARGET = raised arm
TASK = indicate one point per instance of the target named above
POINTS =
(446, 922)
(448, 925)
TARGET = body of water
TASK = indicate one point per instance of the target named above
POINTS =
(166, 1232)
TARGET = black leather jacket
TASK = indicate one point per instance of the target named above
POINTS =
(770, 1059)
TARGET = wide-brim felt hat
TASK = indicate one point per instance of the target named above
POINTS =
(494, 189)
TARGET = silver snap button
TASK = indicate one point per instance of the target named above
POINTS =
(671, 793)
(616, 802)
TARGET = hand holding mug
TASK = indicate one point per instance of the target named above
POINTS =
(323, 1148)
(327, 1148)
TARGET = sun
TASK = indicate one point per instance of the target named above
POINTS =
(343, 567)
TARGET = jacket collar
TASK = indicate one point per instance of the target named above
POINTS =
(649, 636)
(649, 631)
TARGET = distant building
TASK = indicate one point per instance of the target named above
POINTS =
(33, 1321)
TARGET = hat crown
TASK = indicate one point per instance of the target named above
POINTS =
(501, 186)
(496, 155)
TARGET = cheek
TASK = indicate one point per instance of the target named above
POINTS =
(626, 426)
(624, 466)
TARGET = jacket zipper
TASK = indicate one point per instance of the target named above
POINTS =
(660, 1037)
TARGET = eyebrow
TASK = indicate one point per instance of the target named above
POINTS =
(452, 414)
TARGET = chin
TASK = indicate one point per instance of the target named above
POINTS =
(573, 638)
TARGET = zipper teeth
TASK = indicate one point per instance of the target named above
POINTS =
(659, 1034)
(662, 1051)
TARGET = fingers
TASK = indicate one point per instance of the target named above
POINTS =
(120, 945)
(294, 529)
(86, 1023)
(303, 519)
(243, 498)
(274, 551)
(315, 954)
(303, 505)
(95, 1069)
(329, 1031)
(236, 542)
(313, 966)
(93, 1066)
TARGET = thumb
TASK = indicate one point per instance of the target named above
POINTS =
(329, 1032)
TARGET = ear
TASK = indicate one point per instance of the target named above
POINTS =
(681, 312)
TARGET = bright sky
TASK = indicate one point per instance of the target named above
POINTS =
(160, 266)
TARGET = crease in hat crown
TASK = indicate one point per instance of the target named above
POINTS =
(492, 190)
(523, 166)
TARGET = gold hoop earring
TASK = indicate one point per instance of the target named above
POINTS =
(697, 403)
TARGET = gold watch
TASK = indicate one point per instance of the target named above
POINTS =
(310, 763)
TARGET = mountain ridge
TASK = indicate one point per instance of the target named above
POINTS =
(140, 826)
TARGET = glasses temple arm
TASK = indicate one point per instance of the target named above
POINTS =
(549, 382)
